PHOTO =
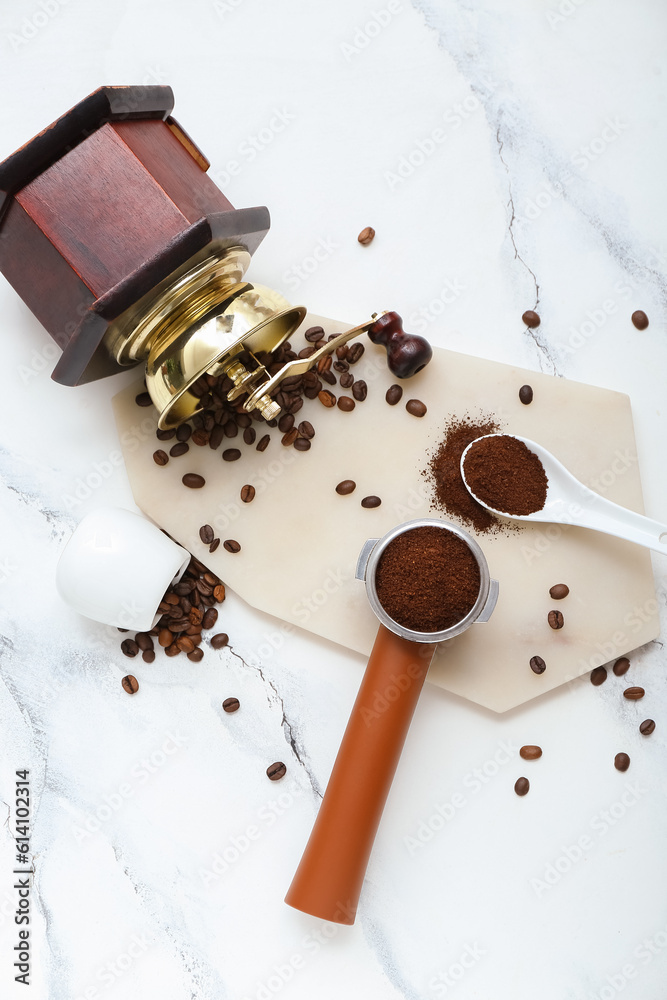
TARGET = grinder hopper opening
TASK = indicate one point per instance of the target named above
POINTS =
(329, 878)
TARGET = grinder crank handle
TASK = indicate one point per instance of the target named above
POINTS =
(328, 880)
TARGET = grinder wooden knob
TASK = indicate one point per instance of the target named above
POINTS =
(407, 353)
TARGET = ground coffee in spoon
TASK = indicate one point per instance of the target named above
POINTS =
(503, 472)
(427, 579)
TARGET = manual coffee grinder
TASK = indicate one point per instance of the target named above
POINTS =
(127, 252)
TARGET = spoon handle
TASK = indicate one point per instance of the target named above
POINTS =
(603, 515)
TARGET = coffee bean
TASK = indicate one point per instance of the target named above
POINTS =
(165, 638)
(314, 333)
(143, 399)
(231, 545)
(185, 644)
(148, 655)
(555, 619)
(219, 592)
(216, 436)
(263, 442)
(360, 390)
(143, 641)
(346, 380)
(165, 435)
(526, 394)
(289, 438)
(639, 320)
(183, 432)
(393, 394)
(196, 655)
(342, 351)
(324, 364)
(346, 487)
(276, 771)
(531, 319)
(366, 236)
(231, 430)
(598, 676)
(220, 640)
(326, 398)
(247, 493)
(354, 353)
(231, 455)
(537, 665)
(370, 502)
(129, 647)
(179, 449)
(328, 377)
(530, 752)
(621, 762)
(521, 786)
(302, 444)
(200, 437)
(621, 666)
(171, 599)
(249, 435)
(306, 429)
(214, 544)
(193, 481)
(341, 366)
(130, 684)
(231, 704)
(634, 693)
(415, 407)
(559, 591)
(647, 727)
(346, 403)
(160, 457)
(286, 423)
(206, 533)
(210, 618)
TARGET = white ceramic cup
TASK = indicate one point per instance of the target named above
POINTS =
(116, 567)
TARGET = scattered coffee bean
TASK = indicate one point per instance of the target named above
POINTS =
(193, 481)
(555, 619)
(165, 435)
(354, 352)
(531, 319)
(130, 684)
(165, 637)
(231, 545)
(220, 640)
(647, 727)
(328, 377)
(313, 334)
(370, 502)
(143, 399)
(206, 533)
(249, 435)
(634, 693)
(521, 786)
(219, 592)
(129, 647)
(360, 390)
(416, 407)
(639, 320)
(289, 438)
(276, 771)
(286, 423)
(263, 442)
(306, 429)
(143, 641)
(148, 655)
(621, 762)
(559, 591)
(393, 394)
(598, 676)
(231, 704)
(302, 444)
(231, 455)
(346, 380)
(200, 437)
(185, 644)
(196, 654)
(326, 398)
(214, 544)
(526, 394)
(621, 666)
(366, 236)
(160, 457)
(179, 449)
(537, 665)
(247, 493)
(346, 403)
(183, 432)
(530, 752)
(346, 487)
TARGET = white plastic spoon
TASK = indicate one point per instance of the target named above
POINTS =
(570, 502)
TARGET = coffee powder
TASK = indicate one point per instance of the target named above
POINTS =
(444, 473)
(427, 579)
(504, 473)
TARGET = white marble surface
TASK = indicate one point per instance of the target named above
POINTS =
(545, 186)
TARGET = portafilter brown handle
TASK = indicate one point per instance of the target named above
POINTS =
(328, 880)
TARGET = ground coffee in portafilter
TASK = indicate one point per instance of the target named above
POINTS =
(506, 475)
(427, 579)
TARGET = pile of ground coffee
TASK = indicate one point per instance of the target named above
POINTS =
(503, 472)
(427, 579)
(444, 472)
